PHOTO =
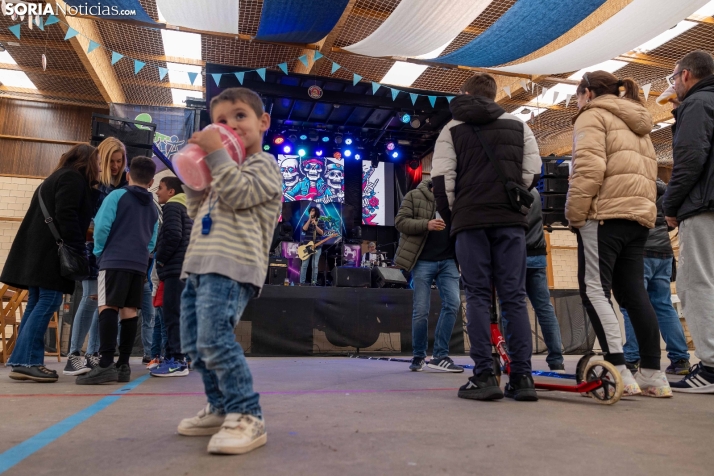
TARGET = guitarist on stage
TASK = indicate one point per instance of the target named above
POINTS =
(311, 230)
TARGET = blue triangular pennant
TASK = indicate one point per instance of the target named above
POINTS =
(261, 73)
(283, 67)
(414, 97)
(303, 60)
(40, 23)
(15, 29)
(93, 45)
(335, 67)
(395, 93)
(162, 72)
(116, 57)
(71, 33)
(356, 78)
(51, 20)
(217, 78)
(449, 98)
(318, 55)
(375, 87)
(138, 65)
(239, 77)
(192, 75)
(432, 100)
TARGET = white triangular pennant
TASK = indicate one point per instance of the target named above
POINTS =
(507, 90)
(646, 90)
(524, 84)
(568, 97)
(555, 97)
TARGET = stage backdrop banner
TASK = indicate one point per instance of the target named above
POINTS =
(174, 125)
(377, 193)
(317, 179)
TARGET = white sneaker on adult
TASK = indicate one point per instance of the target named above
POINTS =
(653, 383)
(239, 434)
(631, 385)
(205, 423)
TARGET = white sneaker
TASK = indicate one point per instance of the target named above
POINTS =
(631, 385)
(239, 434)
(205, 423)
(653, 383)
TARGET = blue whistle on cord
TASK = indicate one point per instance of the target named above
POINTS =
(206, 224)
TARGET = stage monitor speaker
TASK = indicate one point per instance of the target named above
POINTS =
(350, 277)
(277, 271)
(388, 278)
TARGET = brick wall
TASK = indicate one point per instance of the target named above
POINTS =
(15, 195)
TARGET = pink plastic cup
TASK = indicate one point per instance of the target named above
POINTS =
(192, 169)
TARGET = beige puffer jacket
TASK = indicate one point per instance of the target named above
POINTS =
(614, 164)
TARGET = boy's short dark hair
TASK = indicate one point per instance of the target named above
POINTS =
(173, 183)
(699, 63)
(245, 95)
(480, 84)
(142, 170)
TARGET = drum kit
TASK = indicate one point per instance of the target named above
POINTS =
(380, 260)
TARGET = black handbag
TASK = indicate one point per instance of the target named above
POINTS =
(73, 265)
(519, 196)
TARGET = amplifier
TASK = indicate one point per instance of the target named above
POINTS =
(388, 278)
(277, 271)
(350, 277)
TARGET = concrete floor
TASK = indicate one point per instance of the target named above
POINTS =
(339, 416)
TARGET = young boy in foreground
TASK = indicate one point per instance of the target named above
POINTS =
(225, 267)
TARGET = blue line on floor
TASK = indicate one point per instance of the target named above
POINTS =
(16, 454)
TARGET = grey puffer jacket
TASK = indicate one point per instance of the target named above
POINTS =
(412, 222)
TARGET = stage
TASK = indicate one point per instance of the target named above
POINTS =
(307, 320)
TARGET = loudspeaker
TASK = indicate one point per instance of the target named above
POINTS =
(350, 277)
(277, 271)
(388, 278)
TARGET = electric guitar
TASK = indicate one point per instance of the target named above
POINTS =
(305, 251)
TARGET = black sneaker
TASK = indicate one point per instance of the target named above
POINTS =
(417, 364)
(633, 366)
(91, 361)
(445, 364)
(146, 360)
(557, 368)
(99, 375)
(38, 373)
(699, 380)
(481, 387)
(680, 367)
(75, 365)
(124, 373)
(521, 388)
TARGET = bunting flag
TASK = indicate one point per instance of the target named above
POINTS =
(414, 97)
(449, 98)
(261, 73)
(543, 91)
(217, 78)
(239, 77)
(432, 100)
(138, 65)
(162, 73)
(524, 84)
(116, 57)
(15, 29)
(375, 87)
(555, 97)
(283, 67)
(192, 75)
(335, 67)
(51, 20)
(568, 97)
(318, 55)
(395, 93)
(40, 23)
(71, 33)
(646, 90)
(356, 78)
(303, 60)
(507, 90)
(93, 45)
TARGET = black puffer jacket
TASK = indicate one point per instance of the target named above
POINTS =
(658, 240)
(535, 237)
(174, 235)
(691, 188)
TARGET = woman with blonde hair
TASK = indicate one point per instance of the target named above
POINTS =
(611, 207)
(112, 155)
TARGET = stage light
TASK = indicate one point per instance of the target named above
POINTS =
(301, 152)
(292, 137)
(278, 140)
(337, 155)
(348, 153)
(325, 139)
(391, 145)
(406, 118)
(266, 147)
(414, 164)
(338, 138)
(416, 123)
(348, 140)
(303, 137)
(312, 134)
(358, 157)
(287, 149)
(318, 152)
(395, 154)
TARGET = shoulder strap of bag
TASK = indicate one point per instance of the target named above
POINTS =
(490, 155)
(48, 218)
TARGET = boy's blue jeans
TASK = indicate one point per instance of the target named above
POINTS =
(147, 319)
(211, 306)
(85, 320)
(158, 342)
(658, 273)
(447, 280)
(29, 350)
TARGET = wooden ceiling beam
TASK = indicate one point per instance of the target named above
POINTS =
(55, 45)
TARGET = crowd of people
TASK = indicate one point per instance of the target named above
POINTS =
(193, 266)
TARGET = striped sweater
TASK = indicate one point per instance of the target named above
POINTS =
(247, 206)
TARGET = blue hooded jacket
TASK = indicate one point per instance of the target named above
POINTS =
(125, 229)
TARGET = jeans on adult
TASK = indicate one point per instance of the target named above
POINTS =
(173, 287)
(93, 344)
(303, 267)
(158, 342)
(29, 349)
(539, 296)
(446, 275)
(84, 317)
(147, 318)
(658, 273)
(211, 306)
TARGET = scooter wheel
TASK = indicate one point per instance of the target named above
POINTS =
(612, 386)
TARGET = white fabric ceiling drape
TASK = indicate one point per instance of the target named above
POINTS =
(208, 15)
(638, 22)
(417, 27)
